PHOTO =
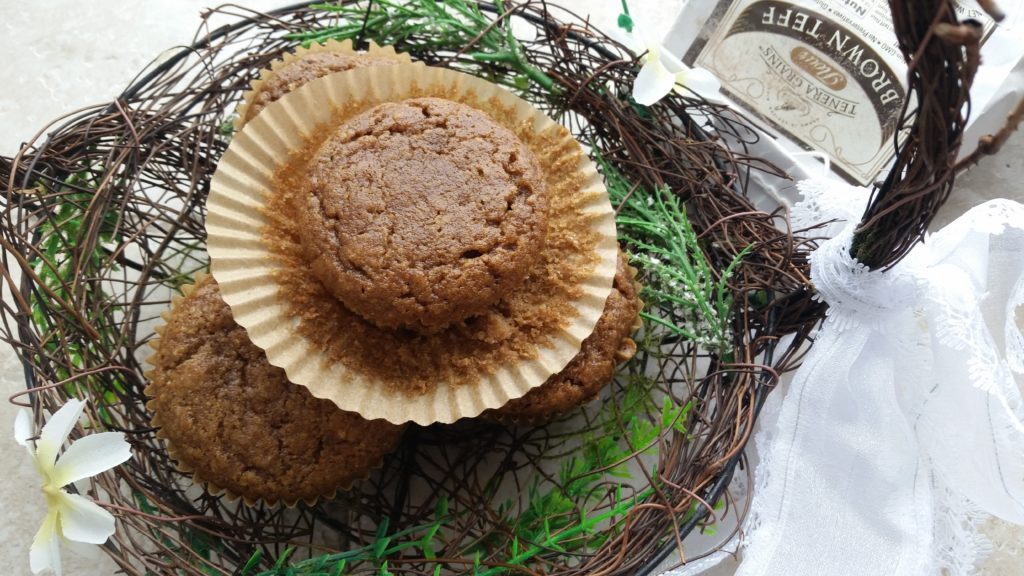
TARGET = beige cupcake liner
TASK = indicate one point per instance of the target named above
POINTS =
(209, 486)
(245, 267)
(344, 47)
(627, 349)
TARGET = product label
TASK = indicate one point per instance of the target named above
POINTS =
(827, 74)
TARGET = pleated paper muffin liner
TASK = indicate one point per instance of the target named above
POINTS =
(625, 352)
(343, 47)
(247, 270)
(154, 389)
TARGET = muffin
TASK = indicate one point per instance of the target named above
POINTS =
(304, 65)
(422, 213)
(593, 367)
(239, 425)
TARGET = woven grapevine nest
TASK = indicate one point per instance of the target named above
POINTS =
(104, 219)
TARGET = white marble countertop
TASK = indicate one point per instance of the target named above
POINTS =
(61, 55)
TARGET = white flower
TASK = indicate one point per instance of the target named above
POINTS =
(662, 72)
(69, 516)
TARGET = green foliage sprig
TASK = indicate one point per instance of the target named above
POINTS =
(447, 25)
(683, 295)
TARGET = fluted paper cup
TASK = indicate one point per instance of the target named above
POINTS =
(254, 274)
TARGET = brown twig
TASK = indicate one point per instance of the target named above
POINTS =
(990, 144)
(938, 50)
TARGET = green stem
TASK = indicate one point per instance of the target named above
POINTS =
(542, 79)
(495, 57)
(673, 327)
(363, 553)
(585, 526)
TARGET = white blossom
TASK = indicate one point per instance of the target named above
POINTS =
(69, 516)
(662, 72)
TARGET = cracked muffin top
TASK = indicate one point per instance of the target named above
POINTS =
(423, 213)
(238, 424)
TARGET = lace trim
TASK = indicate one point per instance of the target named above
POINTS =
(826, 200)
(925, 280)
(960, 546)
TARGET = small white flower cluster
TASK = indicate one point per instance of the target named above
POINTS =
(712, 336)
(693, 311)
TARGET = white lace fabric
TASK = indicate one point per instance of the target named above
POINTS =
(903, 428)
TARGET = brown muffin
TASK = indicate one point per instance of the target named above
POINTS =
(238, 424)
(591, 369)
(307, 67)
(422, 213)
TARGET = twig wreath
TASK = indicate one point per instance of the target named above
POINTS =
(104, 219)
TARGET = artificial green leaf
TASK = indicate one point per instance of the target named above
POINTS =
(625, 20)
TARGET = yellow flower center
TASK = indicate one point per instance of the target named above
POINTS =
(51, 491)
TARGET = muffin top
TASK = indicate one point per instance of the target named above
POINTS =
(590, 370)
(422, 213)
(239, 424)
(307, 67)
